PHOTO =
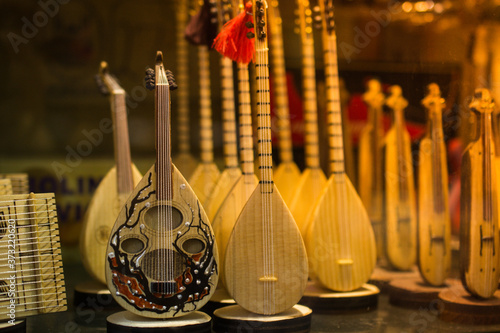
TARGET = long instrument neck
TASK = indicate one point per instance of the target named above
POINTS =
(228, 114)
(309, 87)
(206, 133)
(399, 125)
(123, 160)
(182, 74)
(437, 139)
(164, 170)
(280, 84)
(488, 151)
(334, 116)
(245, 122)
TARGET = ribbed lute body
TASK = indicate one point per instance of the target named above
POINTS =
(479, 237)
(162, 256)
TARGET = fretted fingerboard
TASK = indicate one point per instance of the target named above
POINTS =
(334, 115)
(279, 83)
(309, 88)
(36, 264)
(206, 132)
(182, 75)
(230, 146)
(19, 182)
(245, 124)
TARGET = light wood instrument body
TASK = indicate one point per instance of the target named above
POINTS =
(207, 173)
(19, 181)
(312, 180)
(479, 236)
(340, 240)
(114, 189)
(162, 256)
(400, 199)
(184, 159)
(434, 224)
(287, 174)
(32, 255)
(101, 214)
(230, 209)
(266, 263)
(370, 176)
(232, 171)
(5, 186)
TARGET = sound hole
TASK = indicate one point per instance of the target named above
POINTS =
(163, 218)
(193, 246)
(162, 265)
(132, 245)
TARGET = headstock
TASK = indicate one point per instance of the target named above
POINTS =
(482, 101)
(106, 82)
(433, 100)
(396, 101)
(304, 17)
(323, 12)
(165, 77)
(374, 96)
(260, 18)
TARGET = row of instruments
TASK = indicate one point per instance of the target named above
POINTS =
(164, 241)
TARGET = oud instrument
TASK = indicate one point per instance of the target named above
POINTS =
(434, 224)
(259, 274)
(370, 179)
(184, 158)
(206, 174)
(401, 210)
(232, 171)
(479, 237)
(287, 174)
(162, 256)
(114, 188)
(31, 271)
(312, 180)
(340, 240)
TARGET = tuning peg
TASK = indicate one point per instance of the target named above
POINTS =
(100, 85)
(150, 79)
(171, 80)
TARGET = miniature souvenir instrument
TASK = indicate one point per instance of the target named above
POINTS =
(115, 187)
(162, 256)
(340, 240)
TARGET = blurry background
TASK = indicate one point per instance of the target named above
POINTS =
(50, 52)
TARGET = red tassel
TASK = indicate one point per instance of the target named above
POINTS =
(233, 41)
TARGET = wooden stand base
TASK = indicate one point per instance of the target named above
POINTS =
(19, 326)
(414, 293)
(92, 294)
(456, 305)
(323, 300)
(219, 300)
(382, 276)
(236, 319)
(127, 322)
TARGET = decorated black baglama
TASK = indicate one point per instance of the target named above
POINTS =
(162, 257)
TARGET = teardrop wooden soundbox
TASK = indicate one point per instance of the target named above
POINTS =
(266, 263)
(162, 256)
(287, 173)
(114, 189)
(312, 181)
(340, 240)
(479, 237)
(370, 176)
(434, 224)
(400, 202)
